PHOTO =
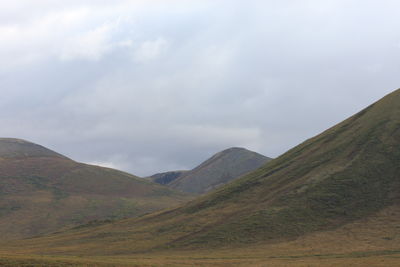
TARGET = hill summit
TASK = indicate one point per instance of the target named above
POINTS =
(13, 148)
(218, 170)
(42, 191)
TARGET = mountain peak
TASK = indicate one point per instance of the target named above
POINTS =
(13, 140)
(221, 168)
(14, 148)
(234, 149)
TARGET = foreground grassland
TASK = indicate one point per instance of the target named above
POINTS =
(372, 241)
(372, 258)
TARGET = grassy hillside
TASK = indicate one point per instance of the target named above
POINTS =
(372, 241)
(346, 173)
(218, 170)
(340, 185)
(42, 192)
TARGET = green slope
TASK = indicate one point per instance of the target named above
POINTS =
(42, 191)
(347, 173)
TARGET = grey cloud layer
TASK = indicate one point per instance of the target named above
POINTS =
(148, 86)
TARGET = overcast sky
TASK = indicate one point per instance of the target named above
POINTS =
(150, 86)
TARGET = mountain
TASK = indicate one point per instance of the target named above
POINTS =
(218, 170)
(165, 178)
(344, 180)
(42, 191)
(12, 148)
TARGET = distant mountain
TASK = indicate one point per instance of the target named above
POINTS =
(218, 170)
(348, 175)
(42, 191)
(165, 178)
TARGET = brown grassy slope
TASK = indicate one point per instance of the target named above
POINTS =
(372, 241)
(42, 192)
(218, 170)
(344, 175)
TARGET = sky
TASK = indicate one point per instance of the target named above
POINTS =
(151, 86)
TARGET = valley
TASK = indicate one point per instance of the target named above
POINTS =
(331, 201)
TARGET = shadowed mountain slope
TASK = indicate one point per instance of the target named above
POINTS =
(42, 191)
(165, 178)
(347, 174)
(218, 170)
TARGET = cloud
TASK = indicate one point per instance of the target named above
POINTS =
(149, 86)
(75, 33)
(150, 50)
(91, 45)
(105, 164)
(215, 135)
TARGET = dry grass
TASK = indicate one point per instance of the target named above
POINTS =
(382, 258)
(372, 241)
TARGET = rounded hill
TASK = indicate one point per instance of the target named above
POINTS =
(18, 148)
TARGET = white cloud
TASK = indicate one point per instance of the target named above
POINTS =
(105, 164)
(38, 38)
(74, 33)
(91, 45)
(150, 50)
